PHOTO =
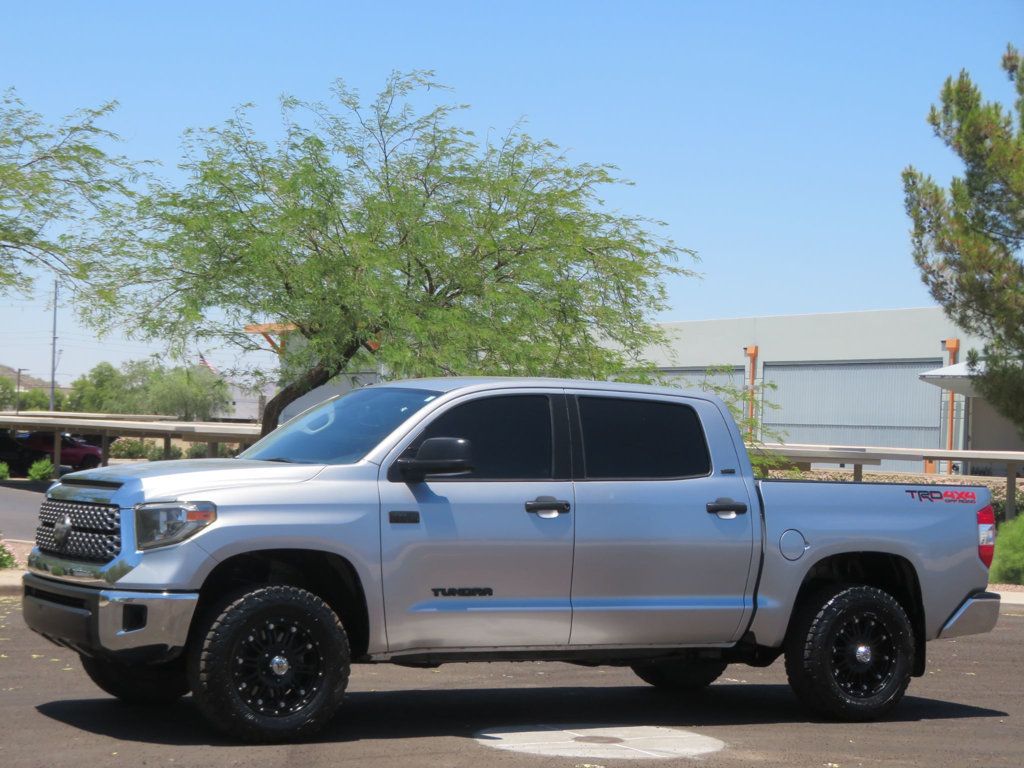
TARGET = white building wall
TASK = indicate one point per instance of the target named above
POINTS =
(844, 378)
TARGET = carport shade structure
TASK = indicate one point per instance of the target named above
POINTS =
(957, 379)
(210, 432)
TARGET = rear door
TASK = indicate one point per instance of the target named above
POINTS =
(652, 564)
(477, 561)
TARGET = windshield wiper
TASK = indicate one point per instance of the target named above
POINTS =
(281, 459)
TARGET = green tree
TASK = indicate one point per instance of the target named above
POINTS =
(106, 389)
(191, 394)
(146, 386)
(39, 400)
(6, 393)
(390, 237)
(54, 181)
(967, 239)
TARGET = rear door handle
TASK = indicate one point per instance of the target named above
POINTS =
(547, 506)
(725, 506)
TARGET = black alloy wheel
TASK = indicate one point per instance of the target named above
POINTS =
(279, 666)
(269, 664)
(849, 652)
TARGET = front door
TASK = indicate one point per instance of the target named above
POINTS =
(469, 562)
(653, 566)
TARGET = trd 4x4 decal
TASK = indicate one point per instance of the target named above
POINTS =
(955, 497)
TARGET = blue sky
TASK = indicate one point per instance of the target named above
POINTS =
(769, 136)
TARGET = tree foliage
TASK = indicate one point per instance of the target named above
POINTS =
(391, 238)
(55, 180)
(967, 239)
(191, 394)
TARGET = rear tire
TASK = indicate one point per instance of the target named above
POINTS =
(680, 674)
(139, 684)
(850, 652)
(269, 665)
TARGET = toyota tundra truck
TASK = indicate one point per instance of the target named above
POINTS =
(456, 520)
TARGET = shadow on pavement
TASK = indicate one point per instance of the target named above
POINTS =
(462, 712)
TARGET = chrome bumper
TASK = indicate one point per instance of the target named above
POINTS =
(107, 621)
(977, 614)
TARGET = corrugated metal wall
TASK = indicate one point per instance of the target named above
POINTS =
(881, 403)
(701, 378)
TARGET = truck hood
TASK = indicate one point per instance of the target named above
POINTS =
(128, 484)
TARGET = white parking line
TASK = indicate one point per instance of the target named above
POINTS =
(645, 742)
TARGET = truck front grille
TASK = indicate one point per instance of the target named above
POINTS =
(79, 530)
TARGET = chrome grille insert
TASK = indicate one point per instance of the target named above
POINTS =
(79, 530)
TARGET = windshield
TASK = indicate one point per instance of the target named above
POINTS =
(341, 431)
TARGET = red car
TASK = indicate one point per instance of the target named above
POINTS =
(73, 450)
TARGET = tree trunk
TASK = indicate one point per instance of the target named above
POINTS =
(307, 382)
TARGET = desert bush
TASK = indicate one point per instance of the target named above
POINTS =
(1008, 566)
(5, 471)
(40, 470)
(6, 556)
(155, 452)
(128, 448)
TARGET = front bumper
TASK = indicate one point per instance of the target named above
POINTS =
(140, 626)
(978, 613)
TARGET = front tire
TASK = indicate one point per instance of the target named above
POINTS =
(270, 665)
(679, 674)
(850, 652)
(148, 685)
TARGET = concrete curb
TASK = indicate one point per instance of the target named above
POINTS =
(10, 582)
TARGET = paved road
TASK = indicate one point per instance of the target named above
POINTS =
(19, 511)
(968, 710)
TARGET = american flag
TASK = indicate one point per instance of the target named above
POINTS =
(206, 364)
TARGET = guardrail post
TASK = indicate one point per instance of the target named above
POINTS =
(212, 449)
(56, 453)
(858, 473)
(104, 449)
(167, 447)
(1011, 490)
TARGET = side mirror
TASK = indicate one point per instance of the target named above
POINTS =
(448, 456)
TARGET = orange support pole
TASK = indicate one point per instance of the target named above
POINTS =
(751, 353)
(952, 346)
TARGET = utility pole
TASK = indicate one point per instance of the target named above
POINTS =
(17, 392)
(53, 349)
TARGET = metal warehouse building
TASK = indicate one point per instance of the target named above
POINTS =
(847, 378)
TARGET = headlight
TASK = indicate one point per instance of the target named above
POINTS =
(161, 523)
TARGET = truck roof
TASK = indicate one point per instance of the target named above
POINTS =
(480, 383)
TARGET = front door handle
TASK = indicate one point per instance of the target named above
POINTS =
(727, 507)
(547, 506)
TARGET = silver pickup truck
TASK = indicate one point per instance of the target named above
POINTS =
(442, 520)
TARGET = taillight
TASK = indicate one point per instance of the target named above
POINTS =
(986, 535)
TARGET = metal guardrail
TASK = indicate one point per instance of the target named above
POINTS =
(859, 457)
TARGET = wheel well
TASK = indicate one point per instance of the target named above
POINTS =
(325, 574)
(891, 573)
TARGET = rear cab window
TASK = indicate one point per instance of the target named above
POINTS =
(633, 439)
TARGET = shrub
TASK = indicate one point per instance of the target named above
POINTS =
(6, 556)
(198, 451)
(40, 470)
(155, 452)
(1008, 567)
(5, 471)
(999, 506)
(127, 448)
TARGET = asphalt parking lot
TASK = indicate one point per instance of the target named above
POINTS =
(968, 710)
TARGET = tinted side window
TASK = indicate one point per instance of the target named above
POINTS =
(641, 438)
(510, 435)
